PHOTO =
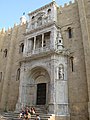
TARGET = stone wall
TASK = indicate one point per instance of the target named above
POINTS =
(11, 41)
(78, 96)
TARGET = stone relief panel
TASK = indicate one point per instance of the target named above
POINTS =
(61, 92)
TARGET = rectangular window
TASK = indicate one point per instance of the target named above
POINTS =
(18, 74)
(71, 58)
(69, 30)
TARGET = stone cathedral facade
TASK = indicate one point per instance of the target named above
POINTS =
(46, 61)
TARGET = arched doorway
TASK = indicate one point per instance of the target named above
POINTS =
(34, 88)
(39, 81)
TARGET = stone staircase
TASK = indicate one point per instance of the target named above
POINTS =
(39, 110)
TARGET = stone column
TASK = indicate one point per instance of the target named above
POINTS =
(42, 39)
(34, 46)
(52, 87)
(22, 98)
(53, 36)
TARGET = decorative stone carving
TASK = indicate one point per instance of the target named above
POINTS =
(59, 41)
(61, 72)
(39, 21)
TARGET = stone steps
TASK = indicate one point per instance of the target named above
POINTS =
(15, 115)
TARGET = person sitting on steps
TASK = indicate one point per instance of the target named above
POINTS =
(37, 117)
(21, 115)
(27, 115)
(32, 111)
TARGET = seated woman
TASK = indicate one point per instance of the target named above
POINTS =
(37, 117)
(27, 115)
(32, 111)
(21, 115)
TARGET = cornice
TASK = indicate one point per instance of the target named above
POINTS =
(45, 54)
(43, 7)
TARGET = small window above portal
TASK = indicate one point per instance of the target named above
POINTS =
(32, 17)
(49, 11)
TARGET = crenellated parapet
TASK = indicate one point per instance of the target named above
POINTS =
(10, 29)
(68, 4)
(2, 31)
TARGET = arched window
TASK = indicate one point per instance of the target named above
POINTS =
(49, 14)
(69, 32)
(61, 72)
(0, 76)
(21, 48)
(49, 11)
(18, 74)
(5, 53)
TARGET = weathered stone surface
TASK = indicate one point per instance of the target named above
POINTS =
(47, 47)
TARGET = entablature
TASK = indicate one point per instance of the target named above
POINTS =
(45, 53)
(43, 27)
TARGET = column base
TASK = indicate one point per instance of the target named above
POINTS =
(51, 108)
(60, 117)
(89, 109)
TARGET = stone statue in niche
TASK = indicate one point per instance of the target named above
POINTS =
(61, 72)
